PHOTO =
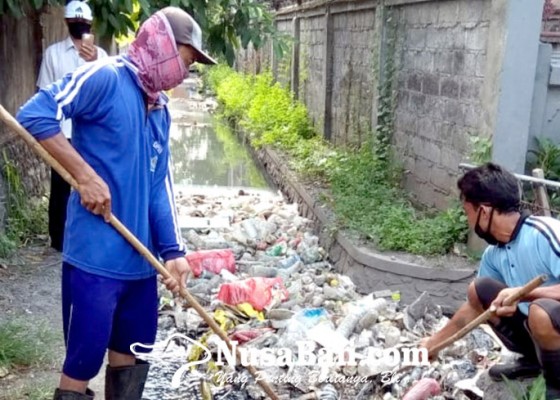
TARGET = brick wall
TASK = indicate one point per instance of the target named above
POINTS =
(440, 54)
(312, 54)
(354, 79)
(283, 64)
(442, 63)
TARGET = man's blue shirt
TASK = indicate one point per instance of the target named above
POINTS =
(533, 250)
(128, 148)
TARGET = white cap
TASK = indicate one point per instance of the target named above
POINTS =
(78, 9)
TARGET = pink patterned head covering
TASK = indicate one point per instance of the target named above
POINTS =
(155, 53)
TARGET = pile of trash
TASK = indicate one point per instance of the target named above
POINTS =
(263, 277)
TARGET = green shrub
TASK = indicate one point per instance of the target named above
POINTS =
(364, 182)
(212, 76)
(236, 92)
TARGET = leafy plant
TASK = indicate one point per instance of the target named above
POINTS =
(25, 217)
(535, 391)
(227, 25)
(387, 92)
(481, 150)
(547, 157)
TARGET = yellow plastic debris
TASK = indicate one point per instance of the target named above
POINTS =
(222, 319)
(248, 310)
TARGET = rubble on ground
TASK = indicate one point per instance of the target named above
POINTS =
(269, 285)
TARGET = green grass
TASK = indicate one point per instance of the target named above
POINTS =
(26, 344)
(36, 388)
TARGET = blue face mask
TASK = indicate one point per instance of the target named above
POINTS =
(486, 236)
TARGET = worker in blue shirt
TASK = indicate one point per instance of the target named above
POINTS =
(120, 160)
(521, 248)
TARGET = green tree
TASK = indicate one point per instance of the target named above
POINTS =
(227, 25)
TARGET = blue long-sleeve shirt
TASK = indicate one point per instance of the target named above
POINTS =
(128, 148)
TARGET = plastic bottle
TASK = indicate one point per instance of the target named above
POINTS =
(277, 250)
(261, 270)
(300, 323)
(310, 317)
(288, 262)
(357, 311)
(249, 227)
(195, 239)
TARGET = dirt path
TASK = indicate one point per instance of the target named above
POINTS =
(30, 294)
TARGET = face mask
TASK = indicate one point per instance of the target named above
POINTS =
(486, 236)
(77, 29)
(155, 54)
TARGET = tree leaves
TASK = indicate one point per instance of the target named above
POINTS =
(227, 25)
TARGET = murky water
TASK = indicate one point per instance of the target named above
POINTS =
(206, 152)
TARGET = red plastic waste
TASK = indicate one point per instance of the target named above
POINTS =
(256, 291)
(423, 390)
(211, 260)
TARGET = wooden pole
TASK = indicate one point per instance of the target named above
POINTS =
(133, 240)
(542, 195)
(485, 316)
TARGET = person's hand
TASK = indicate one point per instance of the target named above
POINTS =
(95, 195)
(88, 52)
(501, 309)
(427, 344)
(179, 269)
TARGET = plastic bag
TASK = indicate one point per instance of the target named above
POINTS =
(211, 260)
(423, 390)
(259, 292)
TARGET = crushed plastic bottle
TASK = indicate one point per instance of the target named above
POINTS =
(277, 250)
(357, 311)
(288, 262)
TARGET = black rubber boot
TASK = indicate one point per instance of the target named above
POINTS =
(551, 365)
(70, 395)
(126, 383)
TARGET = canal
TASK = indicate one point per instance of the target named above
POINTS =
(206, 153)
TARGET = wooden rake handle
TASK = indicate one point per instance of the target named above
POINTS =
(15, 126)
(485, 316)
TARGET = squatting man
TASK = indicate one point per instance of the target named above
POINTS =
(521, 248)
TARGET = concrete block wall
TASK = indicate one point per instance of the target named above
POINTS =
(312, 55)
(441, 73)
(283, 64)
(353, 76)
(464, 68)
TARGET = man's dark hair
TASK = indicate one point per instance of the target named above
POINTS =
(491, 185)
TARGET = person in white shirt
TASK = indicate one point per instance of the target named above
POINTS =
(60, 59)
